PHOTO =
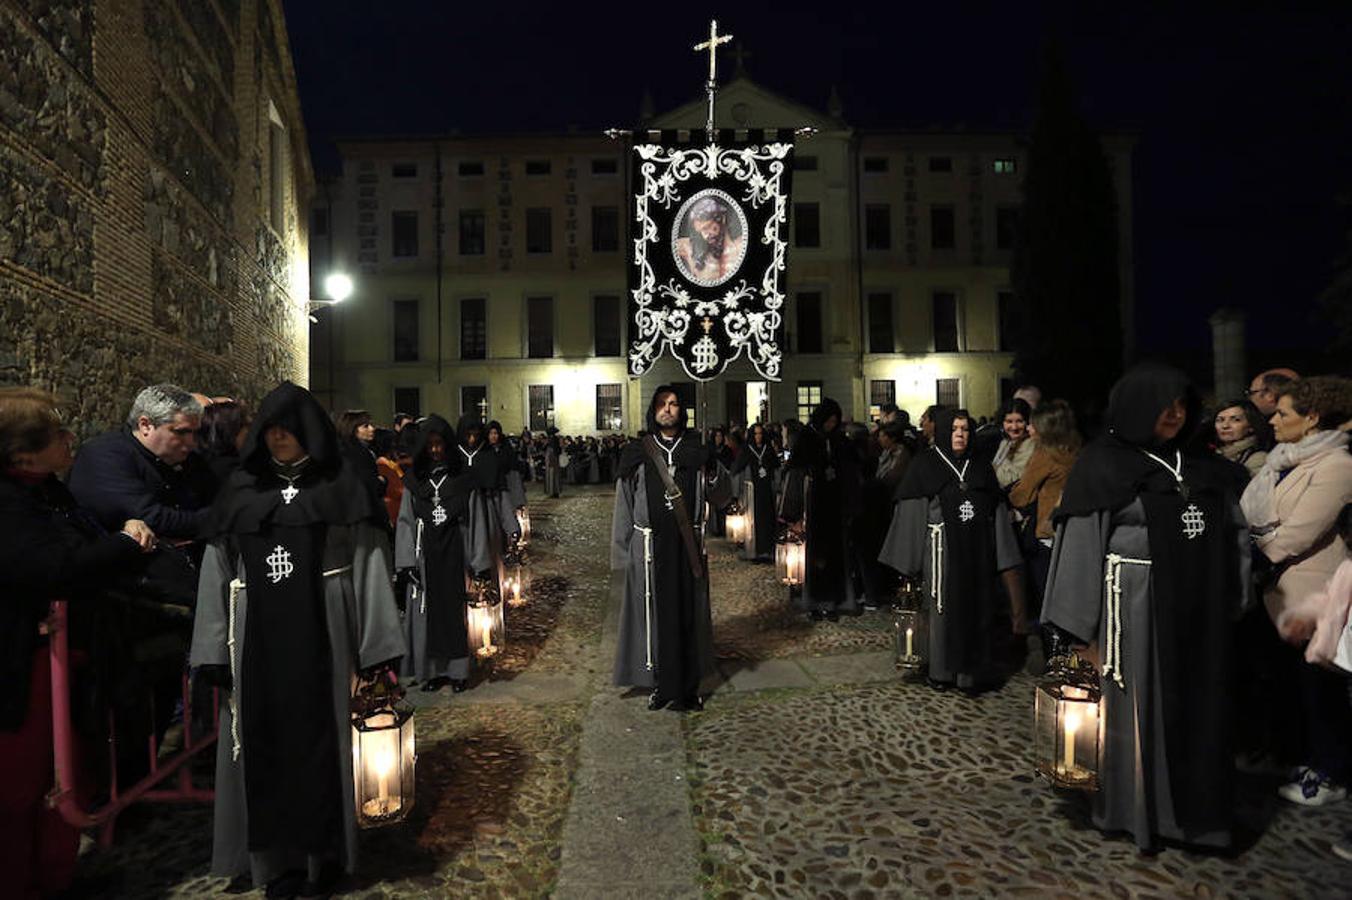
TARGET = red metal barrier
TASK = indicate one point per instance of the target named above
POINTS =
(151, 787)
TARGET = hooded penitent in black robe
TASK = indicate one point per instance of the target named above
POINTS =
(553, 480)
(666, 628)
(954, 532)
(756, 464)
(1155, 571)
(294, 597)
(828, 502)
(432, 544)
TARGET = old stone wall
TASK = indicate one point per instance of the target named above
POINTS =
(140, 238)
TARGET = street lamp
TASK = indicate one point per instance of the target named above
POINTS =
(338, 285)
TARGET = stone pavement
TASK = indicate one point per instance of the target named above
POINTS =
(814, 771)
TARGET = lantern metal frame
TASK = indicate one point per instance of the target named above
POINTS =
(1068, 724)
(749, 548)
(515, 578)
(485, 624)
(523, 526)
(384, 758)
(734, 526)
(911, 630)
(791, 558)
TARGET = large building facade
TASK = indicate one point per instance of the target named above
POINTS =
(154, 189)
(491, 273)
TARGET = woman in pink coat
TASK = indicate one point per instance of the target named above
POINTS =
(1292, 506)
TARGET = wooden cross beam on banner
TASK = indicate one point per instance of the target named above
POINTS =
(715, 39)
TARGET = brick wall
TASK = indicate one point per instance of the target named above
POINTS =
(137, 233)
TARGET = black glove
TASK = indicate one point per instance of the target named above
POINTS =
(215, 676)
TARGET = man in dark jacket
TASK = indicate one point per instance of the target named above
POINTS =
(148, 470)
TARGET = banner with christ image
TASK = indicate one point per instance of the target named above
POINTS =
(707, 275)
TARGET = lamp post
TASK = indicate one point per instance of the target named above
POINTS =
(338, 286)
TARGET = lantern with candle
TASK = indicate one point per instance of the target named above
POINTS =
(735, 525)
(484, 619)
(515, 586)
(1068, 724)
(749, 548)
(523, 523)
(911, 624)
(383, 756)
(790, 557)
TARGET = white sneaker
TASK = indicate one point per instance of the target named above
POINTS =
(1313, 788)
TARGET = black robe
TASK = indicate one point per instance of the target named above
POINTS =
(763, 541)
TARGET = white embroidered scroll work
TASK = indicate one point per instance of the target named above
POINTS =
(936, 534)
(647, 594)
(1112, 593)
(237, 585)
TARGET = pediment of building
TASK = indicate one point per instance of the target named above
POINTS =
(744, 104)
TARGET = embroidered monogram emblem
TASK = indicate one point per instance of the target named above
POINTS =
(761, 472)
(966, 512)
(1194, 522)
(438, 515)
(279, 564)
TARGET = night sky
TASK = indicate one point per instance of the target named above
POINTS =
(1244, 120)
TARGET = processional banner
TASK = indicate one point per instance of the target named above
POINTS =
(707, 273)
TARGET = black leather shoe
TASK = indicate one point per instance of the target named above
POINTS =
(285, 885)
(693, 703)
(432, 685)
(656, 701)
(459, 685)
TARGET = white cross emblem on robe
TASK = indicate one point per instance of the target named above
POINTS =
(289, 493)
(279, 564)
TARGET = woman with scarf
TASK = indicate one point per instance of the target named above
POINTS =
(951, 527)
(294, 599)
(1292, 506)
(756, 463)
(1242, 435)
(1150, 560)
(429, 556)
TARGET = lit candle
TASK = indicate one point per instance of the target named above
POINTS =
(910, 637)
(1072, 726)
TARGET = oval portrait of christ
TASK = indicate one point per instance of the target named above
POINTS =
(708, 238)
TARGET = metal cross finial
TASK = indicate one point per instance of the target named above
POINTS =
(708, 324)
(712, 46)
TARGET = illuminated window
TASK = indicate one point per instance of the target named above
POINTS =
(609, 414)
(809, 398)
(541, 400)
(1006, 166)
(947, 392)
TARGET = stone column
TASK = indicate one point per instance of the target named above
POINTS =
(1227, 352)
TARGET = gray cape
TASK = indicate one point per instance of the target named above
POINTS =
(363, 627)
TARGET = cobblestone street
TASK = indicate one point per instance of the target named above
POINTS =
(814, 771)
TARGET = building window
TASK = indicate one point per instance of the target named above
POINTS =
(941, 164)
(609, 410)
(537, 167)
(807, 231)
(606, 325)
(875, 165)
(540, 398)
(809, 320)
(276, 170)
(880, 339)
(471, 232)
(405, 330)
(1006, 166)
(605, 229)
(604, 167)
(539, 327)
(948, 392)
(945, 322)
(404, 170)
(877, 226)
(473, 328)
(809, 398)
(804, 163)
(470, 169)
(943, 233)
(408, 400)
(1006, 226)
(1004, 301)
(474, 400)
(880, 394)
(539, 236)
(404, 230)
(319, 223)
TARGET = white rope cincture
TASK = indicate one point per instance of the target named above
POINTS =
(417, 555)
(936, 532)
(236, 586)
(647, 594)
(1112, 584)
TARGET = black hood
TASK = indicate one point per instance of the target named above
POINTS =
(825, 410)
(1141, 395)
(943, 432)
(471, 422)
(651, 419)
(295, 409)
(433, 424)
